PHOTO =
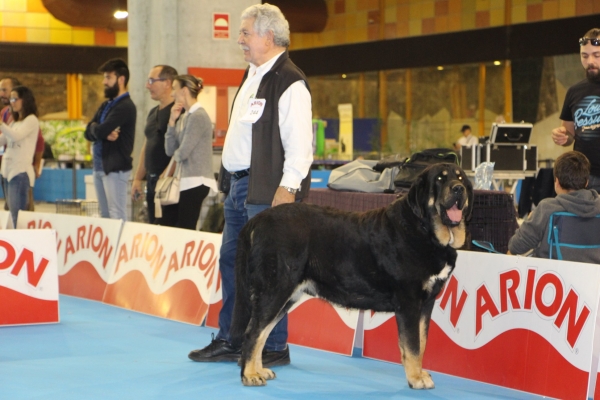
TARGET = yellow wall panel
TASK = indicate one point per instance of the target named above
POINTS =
(390, 15)
(497, 17)
(56, 24)
(13, 19)
(121, 39)
(414, 11)
(550, 10)
(36, 6)
(351, 21)
(61, 36)
(454, 23)
(482, 5)
(37, 20)
(328, 38)
(566, 8)
(10, 34)
(362, 18)
(1, 5)
(468, 20)
(519, 3)
(83, 37)
(496, 4)
(350, 6)
(428, 9)
(15, 5)
(415, 27)
(519, 14)
(454, 7)
(38, 35)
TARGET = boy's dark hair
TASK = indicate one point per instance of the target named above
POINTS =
(167, 72)
(118, 66)
(572, 169)
(28, 102)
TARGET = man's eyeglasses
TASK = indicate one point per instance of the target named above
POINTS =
(13, 100)
(583, 41)
(152, 80)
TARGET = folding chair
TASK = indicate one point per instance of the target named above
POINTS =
(569, 232)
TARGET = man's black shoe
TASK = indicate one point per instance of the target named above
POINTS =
(274, 358)
(217, 350)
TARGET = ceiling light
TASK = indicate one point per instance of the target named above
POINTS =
(344, 76)
(497, 63)
(440, 68)
(120, 14)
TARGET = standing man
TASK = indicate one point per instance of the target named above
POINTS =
(153, 159)
(581, 110)
(6, 86)
(113, 131)
(266, 158)
(467, 139)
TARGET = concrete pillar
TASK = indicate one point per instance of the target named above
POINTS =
(177, 33)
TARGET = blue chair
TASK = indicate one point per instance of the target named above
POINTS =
(569, 231)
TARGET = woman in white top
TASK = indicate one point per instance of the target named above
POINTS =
(20, 138)
(189, 141)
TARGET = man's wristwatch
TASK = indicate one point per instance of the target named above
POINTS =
(289, 189)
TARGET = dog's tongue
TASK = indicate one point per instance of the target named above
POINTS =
(454, 214)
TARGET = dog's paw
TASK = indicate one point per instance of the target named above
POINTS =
(254, 380)
(421, 382)
(267, 374)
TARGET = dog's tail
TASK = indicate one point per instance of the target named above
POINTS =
(242, 307)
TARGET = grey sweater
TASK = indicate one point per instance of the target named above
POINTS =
(533, 233)
(190, 143)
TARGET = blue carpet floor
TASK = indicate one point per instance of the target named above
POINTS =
(103, 352)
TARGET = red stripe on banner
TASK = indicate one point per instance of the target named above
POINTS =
(517, 359)
(82, 281)
(316, 324)
(17, 309)
(597, 391)
(181, 302)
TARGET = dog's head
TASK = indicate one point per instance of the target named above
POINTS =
(443, 195)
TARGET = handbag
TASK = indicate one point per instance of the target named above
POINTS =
(359, 176)
(167, 189)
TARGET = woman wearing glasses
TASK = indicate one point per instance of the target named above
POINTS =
(20, 139)
(189, 141)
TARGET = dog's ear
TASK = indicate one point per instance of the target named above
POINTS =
(417, 195)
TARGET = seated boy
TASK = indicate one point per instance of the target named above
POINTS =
(571, 174)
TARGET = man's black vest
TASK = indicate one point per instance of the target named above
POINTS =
(268, 156)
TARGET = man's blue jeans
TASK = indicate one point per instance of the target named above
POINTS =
(111, 191)
(17, 194)
(237, 213)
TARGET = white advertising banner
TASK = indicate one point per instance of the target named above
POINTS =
(518, 322)
(28, 277)
(86, 248)
(167, 272)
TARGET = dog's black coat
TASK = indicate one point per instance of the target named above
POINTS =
(394, 259)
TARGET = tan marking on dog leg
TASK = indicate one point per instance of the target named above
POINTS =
(442, 276)
(416, 376)
(254, 373)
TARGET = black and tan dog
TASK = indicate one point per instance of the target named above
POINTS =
(394, 259)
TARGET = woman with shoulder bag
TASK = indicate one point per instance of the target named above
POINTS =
(189, 141)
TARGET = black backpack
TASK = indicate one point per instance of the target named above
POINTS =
(415, 164)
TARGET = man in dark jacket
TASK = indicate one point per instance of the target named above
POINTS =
(113, 131)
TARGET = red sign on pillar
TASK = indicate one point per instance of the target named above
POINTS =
(220, 25)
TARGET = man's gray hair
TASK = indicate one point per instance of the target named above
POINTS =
(269, 18)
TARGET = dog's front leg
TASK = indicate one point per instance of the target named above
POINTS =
(413, 324)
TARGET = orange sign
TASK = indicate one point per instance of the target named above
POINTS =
(220, 24)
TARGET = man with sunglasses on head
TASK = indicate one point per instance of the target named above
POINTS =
(153, 159)
(581, 110)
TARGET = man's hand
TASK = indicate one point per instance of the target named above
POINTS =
(282, 196)
(136, 189)
(114, 135)
(561, 136)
